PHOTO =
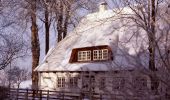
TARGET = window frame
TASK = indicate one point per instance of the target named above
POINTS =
(118, 83)
(73, 82)
(102, 83)
(98, 54)
(84, 55)
(61, 82)
(140, 83)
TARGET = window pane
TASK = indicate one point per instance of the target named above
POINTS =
(95, 54)
(88, 56)
(105, 54)
(100, 55)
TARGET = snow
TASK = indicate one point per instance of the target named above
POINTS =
(94, 30)
(26, 84)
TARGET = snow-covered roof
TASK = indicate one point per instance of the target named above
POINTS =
(95, 29)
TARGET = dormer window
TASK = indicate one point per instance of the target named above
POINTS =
(84, 55)
(91, 54)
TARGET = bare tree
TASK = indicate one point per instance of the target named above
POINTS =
(12, 44)
(46, 8)
(20, 15)
(16, 75)
(62, 17)
(35, 44)
(152, 17)
(11, 48)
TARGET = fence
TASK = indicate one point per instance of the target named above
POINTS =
(31, 94)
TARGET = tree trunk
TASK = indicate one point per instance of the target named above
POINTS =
(47, 26)
(152, 45)
(35, 45)
(62, 20)
(152, 39)
(67, 14)
(59, 22)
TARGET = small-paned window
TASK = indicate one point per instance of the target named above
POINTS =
(84, 55)
(140, 83)
(118, 83)
(100, 54)
(102, 83)
(88, 83)
(73, 82)
(61, 82)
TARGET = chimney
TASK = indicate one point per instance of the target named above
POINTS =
(102, 7)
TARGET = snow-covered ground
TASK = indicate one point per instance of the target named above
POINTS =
(26, 84)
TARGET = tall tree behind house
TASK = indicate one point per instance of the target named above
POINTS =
(152, 43)
(46, 6)
(67, 13)
(47, 29)
(62, 18)
(35, 44)
(61, 11)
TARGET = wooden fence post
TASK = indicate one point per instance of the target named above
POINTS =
(33, 94)
(40, 94)
(100, 96)
(91, 95)
(48, 95)
(9, 90)
(62, 95)
(81, 96)
(17, 93)
(27, 94)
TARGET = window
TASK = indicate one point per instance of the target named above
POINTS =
(100, 54)
(102, 83)
(60, 82)
(140, 83)
(88, 83)
(118, 83)
(84, 55)
(73, 82)
(47, 77)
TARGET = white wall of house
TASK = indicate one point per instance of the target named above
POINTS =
(48, 81)
(99, 82)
